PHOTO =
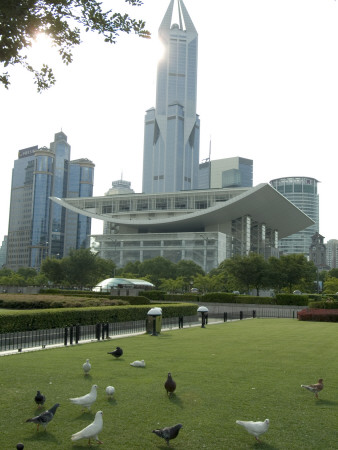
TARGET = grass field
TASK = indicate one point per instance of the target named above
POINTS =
(247, 370)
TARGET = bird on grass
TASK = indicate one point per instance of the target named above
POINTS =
(91, 431)
(86, 400)
(86, 367)
(315, 388)
(255, 428)
(168, 433)
(39, 399)
(170, 385)
(138, 363)
(20, 446)
(117, 352)
(110, 390)
(45, 417)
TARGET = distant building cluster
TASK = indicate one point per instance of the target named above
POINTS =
(39, 228)
(205, 212)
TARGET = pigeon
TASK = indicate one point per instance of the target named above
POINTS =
(170, 385)
(91, 431)
(117, 352)
(45, 417)
(255, 428)
(315, 388)
(138, 363)
(110, 390)
(20, 446)
(86, 400)
(168, 433)
(86, 367)
(39, 399)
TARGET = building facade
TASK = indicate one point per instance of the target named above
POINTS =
(303, 193)
(332, 253)
(205, 226)
(172, 128)
(226, 173)
(317, 252)
(37, 227)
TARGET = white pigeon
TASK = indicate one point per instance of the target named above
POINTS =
(86, 400)
(86, 367)
(110, 390)
(255, 428)
(138, 363)
(91, 431)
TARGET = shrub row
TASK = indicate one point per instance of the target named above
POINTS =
(52, 301)
(59, 318)
(292, 299)
(324, 304)
(318, 315)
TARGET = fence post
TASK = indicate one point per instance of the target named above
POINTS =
(103, 326)
(98, 331)
(66, 336)
(77, 333)
(240, 315)
(253, 314)
(180, 322)
(71, 334)
(107, 330)
(225, 318)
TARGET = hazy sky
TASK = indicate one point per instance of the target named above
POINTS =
(267, 90)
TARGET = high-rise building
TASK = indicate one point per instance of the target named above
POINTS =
(226, 173)
(172, 128)
(332, 253)
(3, 252)
(39, 228)
(302, 192)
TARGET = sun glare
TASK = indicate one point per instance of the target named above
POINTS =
(42, 49)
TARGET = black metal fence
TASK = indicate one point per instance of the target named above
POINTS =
(18, 341)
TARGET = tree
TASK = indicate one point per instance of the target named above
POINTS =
(249, 271)
(53, 269)
(296, 269)
(207, 283)
(157, 268)
(331, 286)
(22, 20)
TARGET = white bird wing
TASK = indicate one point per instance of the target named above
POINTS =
(87, 399)
(255, 428)
(90, 431)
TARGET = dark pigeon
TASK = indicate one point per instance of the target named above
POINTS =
(39, 399)
(170, 385)
(168, 433)
(45, 417)
(20, 446)
(117, 353)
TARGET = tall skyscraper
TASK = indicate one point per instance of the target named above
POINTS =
(332, 253)
(172, 129)
(302, 192)
(39, 228)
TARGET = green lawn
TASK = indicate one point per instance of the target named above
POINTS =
(247, 370)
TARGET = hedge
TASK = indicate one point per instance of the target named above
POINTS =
(324, 304)
(59, 318)
(318, 315)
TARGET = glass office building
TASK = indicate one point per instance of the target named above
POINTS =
(226, 173)
(37, 227)
(171, 134)
(302, 192)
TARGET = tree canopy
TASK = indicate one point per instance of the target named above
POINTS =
(21, 21)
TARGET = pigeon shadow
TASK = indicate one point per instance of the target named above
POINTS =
(321, 402)
(112, 401)
(176, 400)
(85, 415)
(87, 376)
(264, 445)
(42, 436)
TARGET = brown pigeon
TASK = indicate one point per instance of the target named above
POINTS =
(170, 385)
(168, 433)
(315, 388)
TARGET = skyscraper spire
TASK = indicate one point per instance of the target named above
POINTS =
(171, 139)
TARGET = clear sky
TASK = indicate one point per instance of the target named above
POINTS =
(267, 91)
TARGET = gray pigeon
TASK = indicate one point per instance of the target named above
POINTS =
(255, 428)
(168, 433)
(45, 417)
(91, 431)
(39, 399)
(86, 367)
(86, 400)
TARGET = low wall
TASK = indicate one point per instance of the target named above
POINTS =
(261, 310)
(20, 289)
